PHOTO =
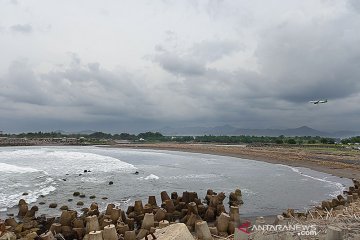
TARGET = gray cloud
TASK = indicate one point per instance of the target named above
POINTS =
(310, 61)
(187, 63)
(193, 61)
(85, 91)
(210, 51)
(354, 4)
(21, 85)
(297, 62)
(178, 65)
(21, 28)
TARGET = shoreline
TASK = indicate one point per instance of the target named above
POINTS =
(333, 164)
(293, 156)
(348, 172)
(341, 163)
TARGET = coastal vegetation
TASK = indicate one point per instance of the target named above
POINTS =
(99, 137)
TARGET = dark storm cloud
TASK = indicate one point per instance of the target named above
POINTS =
(99, 90)
(301, 62)
(89, 90)
(298, 61)
(188, 62)
(21, 28)
(22, 85)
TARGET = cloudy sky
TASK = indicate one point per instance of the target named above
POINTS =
(146, 64)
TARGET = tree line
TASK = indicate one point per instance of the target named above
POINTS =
(158, 137)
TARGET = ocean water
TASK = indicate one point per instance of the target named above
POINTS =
(57, 172)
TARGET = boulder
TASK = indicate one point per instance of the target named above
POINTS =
(177, 231)
(163, 224)
(64, 207)
(109, 233)
(235, 198)
(47, 236)
(23, 208)
(11, 222)
(92, 224)
(160, 215)
(164, 196)
(67, 217)
(130, 235)
(203, 231)
(148, 221)
(8, 236)
(334, 233)
(53, 205)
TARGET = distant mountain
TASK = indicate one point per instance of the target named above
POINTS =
(84, 132)
(304, 131)
(61, 132)
(230, 130)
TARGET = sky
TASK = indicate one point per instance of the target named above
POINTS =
(130, 66)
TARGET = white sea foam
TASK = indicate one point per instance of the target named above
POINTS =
(43, 163)
(151, 177)
(194, 176)
(8, 168)
(17, 185)
(92, 180)
(246, 191)
(58, 162)
(46, 182)
(13, 199)
(339, 186)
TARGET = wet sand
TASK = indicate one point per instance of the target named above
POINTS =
(338, 162)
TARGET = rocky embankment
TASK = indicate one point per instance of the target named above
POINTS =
(178, 217)
(334, 219)
(188, 217)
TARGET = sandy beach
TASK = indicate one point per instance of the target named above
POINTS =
(340, 162)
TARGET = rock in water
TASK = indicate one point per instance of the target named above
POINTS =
(235, 198)
(23, 208)
(53, 205)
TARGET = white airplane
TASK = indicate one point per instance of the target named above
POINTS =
(319, 101)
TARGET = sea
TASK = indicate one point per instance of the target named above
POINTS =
(52, 174)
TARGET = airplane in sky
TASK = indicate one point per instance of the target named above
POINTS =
(319, 101)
